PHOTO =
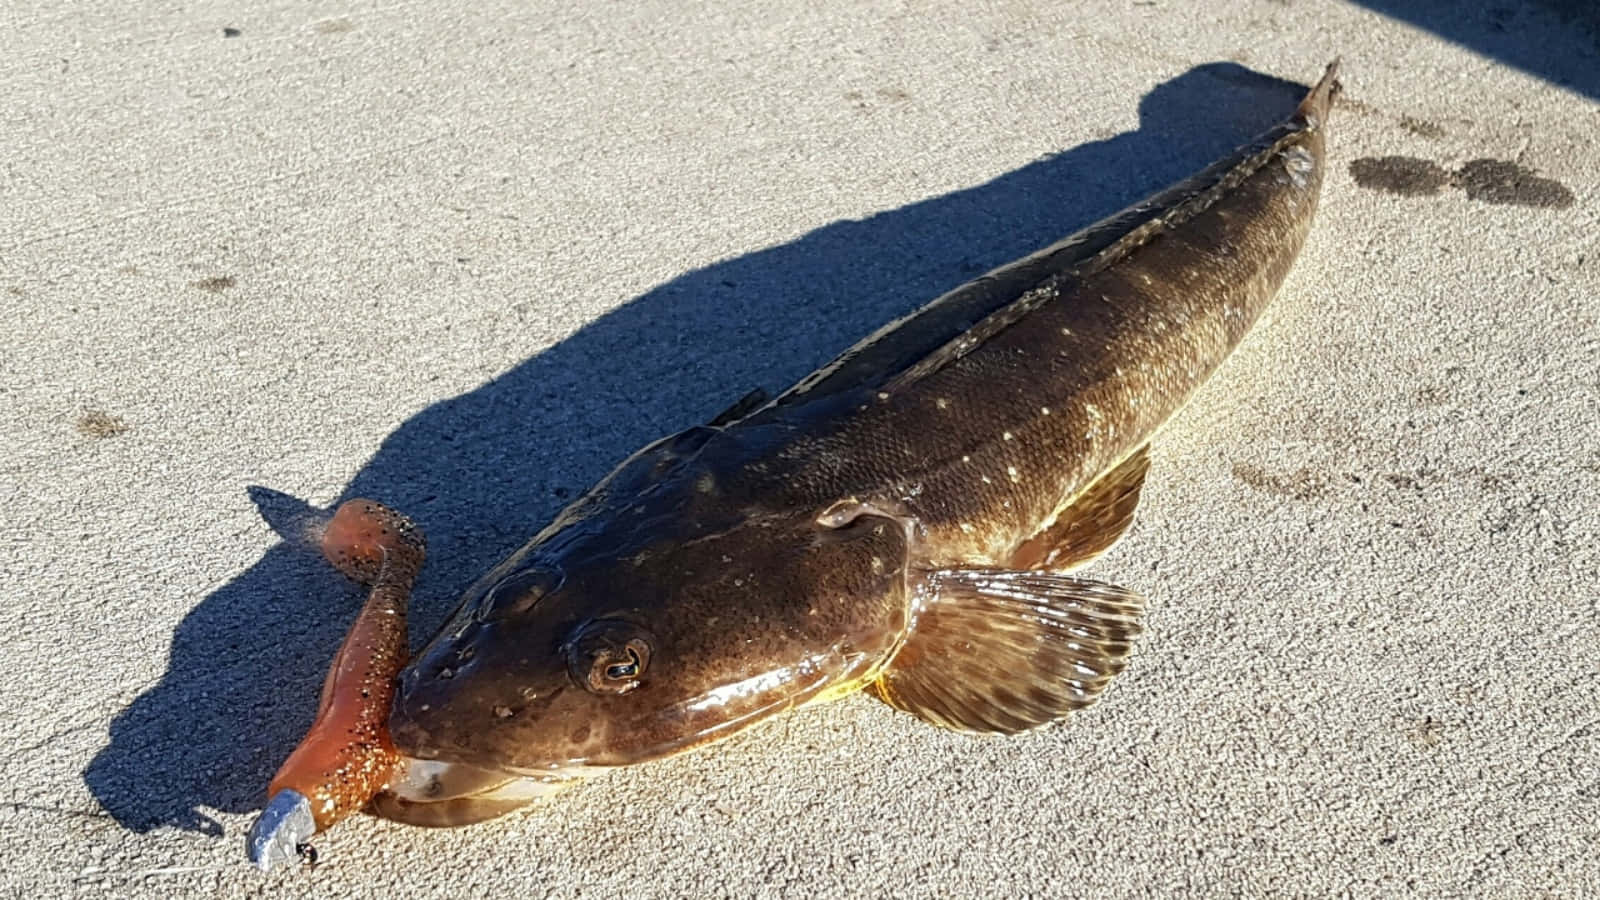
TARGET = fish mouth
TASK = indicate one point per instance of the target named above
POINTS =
(435, 781)
(435, 794)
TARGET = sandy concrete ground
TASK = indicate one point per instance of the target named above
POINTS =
(465, 260)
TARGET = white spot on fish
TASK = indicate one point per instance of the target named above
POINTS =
(1092, 410)
(966, 459)
(1044, 410)
(985, 479)
(966, 528)
(882, 395)
(1008, 436)
(1298, 163)
(1067, 332)
(1012, 471)
(705, 484)
(942, 403)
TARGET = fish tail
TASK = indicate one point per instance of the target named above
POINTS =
(1314, 108)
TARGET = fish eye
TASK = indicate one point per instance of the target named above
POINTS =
(608, 657)
(517, 593)
(629, 669)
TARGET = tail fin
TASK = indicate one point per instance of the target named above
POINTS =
(1314, 108)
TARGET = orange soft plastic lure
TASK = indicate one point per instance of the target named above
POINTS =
(347, 757)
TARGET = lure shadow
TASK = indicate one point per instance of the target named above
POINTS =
(484, 470)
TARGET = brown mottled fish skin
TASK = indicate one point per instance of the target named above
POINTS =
(899, 520)
(1018, 414)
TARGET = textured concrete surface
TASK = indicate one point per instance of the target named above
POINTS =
(258, 257)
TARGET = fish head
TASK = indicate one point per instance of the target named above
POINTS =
(621, 638)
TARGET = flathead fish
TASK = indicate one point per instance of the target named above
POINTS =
(902, 522)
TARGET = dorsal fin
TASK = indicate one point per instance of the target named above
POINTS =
(742, 407)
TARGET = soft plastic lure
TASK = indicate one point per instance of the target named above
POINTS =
(347, 757)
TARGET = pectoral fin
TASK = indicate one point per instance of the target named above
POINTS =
(1091, 523)
(999, 651)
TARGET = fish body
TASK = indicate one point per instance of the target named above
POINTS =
(902, 521)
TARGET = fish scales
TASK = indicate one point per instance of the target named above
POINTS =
(1100, 351)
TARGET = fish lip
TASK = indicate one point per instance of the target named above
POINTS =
(420, 780)
(434, 757)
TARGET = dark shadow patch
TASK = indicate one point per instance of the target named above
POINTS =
(1582, 16)
(1422, 128)
(880, 97)
(484, 470)
(231, 32)
(1426, 732)
(15, 291)
(1402, 176)
(215, 284)
(1303, 484)
(1495, 181)
(1403, 482)
(1485, 180)
(1347, 103)
(1431, 395)
(96, 424)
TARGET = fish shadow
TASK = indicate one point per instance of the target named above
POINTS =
(484, 470)
(1557, 40)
